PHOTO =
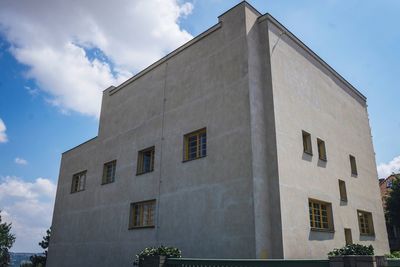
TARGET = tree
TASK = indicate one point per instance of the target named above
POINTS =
(40, 260)
(393, 204)
(6, 241)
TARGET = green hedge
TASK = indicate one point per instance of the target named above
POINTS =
(393, 255)
(169, 252)
(353, 249)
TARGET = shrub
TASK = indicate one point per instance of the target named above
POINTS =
(393, 255)
(26, 264)
(353, 249)
(169, 252)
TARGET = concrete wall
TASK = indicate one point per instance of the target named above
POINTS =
(309, 97)
(204, 206)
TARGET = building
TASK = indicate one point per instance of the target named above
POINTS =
(242, 143)
(385, 185)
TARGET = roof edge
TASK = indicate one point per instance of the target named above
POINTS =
(270, 18)
(241, 3)
(166, 57)
(81, 144)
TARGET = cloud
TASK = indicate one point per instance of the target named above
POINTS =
(29, 207)
(386, 169)
(76, 49)
(20, 161)
(3, 135)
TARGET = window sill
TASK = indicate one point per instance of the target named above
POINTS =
(323, 159)
(140, 227)
(322, 230)
(343, 200)
(308, 153)
(141, 173)
(73, 192)
(369, 235)
(187, 160)
(107, 183)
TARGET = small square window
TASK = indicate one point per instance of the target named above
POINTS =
(342, 190)
(365, 223)
(353, 165)
(142, 214)
(78, 182)
(321, 150)
(320, 215)
(109, 172)
(307, 148)
(195, 145)
(145, 161)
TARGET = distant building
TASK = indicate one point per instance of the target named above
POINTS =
(242, 143)
(393, 232)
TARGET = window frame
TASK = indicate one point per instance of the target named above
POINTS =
(132, 214)
(307, 143)
(199, 153)
(78, 176)
(140, 160)
(348, 236)
(353, 165)
(322, 155)
(365, 215)
(104, 180)
(312, 215)
(342, 191)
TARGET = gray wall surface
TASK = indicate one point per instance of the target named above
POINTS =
(308, 97)
(254, 90)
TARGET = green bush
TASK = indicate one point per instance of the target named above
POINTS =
(353, 249)
(169, 252)
(393, 255)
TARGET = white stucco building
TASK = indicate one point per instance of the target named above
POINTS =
(242, 143)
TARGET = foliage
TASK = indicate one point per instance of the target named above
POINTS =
(169, 252)
(353, 249)
(6, 241)
(393, 204)
(393, 255)
(40, 260)
(26, 264)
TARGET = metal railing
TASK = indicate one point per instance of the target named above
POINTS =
(245, 263)
(393, 263)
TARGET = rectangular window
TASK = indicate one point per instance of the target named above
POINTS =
(195, 145)
(342, 190)
(321, 150)
(142, 214)
(109, 172)
(307, 148)
(365, 222)
(78, 182)
(353, 165)
(145, 161)
(320, 215)
(347, 236)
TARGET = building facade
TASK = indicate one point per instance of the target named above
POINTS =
(242, 143)
(385, 185)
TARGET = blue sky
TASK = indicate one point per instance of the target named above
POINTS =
(54, 65)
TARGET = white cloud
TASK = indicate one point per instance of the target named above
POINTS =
(76, 49)
(29, 207)
(20, 161)
(3, 135)
(386, 169)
